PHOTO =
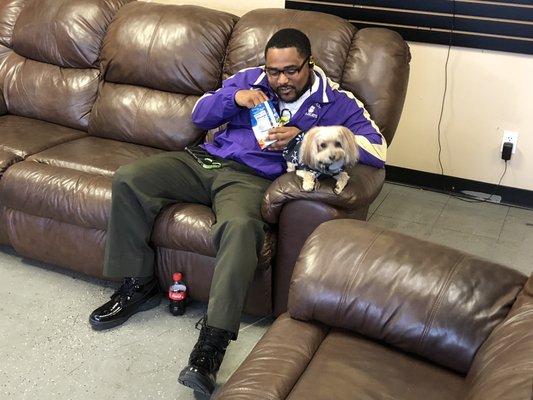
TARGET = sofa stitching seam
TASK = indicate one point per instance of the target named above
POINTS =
(437, 303)
(311, 357)
(151, 45)
(341, 80)
(357, 269)
(136, 120)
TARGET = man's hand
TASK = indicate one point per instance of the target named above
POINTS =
(250, 98)
(283, 135)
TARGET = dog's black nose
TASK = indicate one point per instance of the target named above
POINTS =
(332, 158)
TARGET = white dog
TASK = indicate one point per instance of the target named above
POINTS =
(323, 150)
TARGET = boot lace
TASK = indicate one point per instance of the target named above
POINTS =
(211, 346)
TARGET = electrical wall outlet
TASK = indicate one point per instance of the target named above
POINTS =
(510, 136)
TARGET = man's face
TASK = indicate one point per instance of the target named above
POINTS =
(288, 85)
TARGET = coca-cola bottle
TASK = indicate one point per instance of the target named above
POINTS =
(177, 295)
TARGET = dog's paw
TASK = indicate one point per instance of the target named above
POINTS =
(342, 181)
(291, 167)
(308, 180)
(308, 186)
(338, 189)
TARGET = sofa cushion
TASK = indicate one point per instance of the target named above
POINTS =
(47, 92)
(347, 366)
(421, 297)
(26, 136)
(187, 227)
(53, 74)
(331, 37)
(299, 360)
(171, 48)
(62, 194)
(154, 75)
(145, 116)
(71, 182)
(93, 155)
(66, 33)
(45, 239)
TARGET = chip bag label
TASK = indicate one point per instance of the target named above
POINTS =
(264, 117)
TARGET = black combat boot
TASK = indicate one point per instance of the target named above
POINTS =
(206, 357)
(134, 295)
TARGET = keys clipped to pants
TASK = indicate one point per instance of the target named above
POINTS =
(203, 158)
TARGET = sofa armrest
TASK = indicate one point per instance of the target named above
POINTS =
(298, 219)
(363, 187)
(421, 297)
(286, 348)
(503, 366)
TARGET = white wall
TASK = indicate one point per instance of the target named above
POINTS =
(237, 7)
(487, 93)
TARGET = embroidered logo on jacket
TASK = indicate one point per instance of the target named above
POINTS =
(311, 111)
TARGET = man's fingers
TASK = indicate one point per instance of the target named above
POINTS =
(275, 136)
(279, 145)
(250, 98)
(280, 129)
(259, 97)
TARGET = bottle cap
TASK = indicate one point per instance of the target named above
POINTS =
(177, 276)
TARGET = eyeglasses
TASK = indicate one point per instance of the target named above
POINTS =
(288, 72)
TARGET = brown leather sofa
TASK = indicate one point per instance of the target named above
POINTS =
(88, 86)
(375, 314)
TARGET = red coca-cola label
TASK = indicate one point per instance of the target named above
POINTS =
(176, 295)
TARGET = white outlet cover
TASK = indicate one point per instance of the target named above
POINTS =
(510, 136)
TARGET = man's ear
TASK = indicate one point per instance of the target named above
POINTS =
(311, 62)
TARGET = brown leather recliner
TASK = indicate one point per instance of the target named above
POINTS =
(375, 314)
(122, 87)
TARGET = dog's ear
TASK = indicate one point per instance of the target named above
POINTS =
(309, 148)
(349, 144)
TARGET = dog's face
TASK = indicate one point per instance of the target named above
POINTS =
(323, 146)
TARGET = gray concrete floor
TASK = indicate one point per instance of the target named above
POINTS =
(500, 233)
(48, 350)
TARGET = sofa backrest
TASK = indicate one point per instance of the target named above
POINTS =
(424, 298)
(157, 60)
(371, 63)
(52, 73)
(9, 12)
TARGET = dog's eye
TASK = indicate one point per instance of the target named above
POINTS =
(338, 144)
(323, 145)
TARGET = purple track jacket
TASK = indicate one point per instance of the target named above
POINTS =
(327, 106)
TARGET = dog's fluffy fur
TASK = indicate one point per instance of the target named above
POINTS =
(323, 147)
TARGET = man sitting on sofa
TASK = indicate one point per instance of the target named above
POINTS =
(234, 190)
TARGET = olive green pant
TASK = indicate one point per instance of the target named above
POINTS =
(142, 189)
